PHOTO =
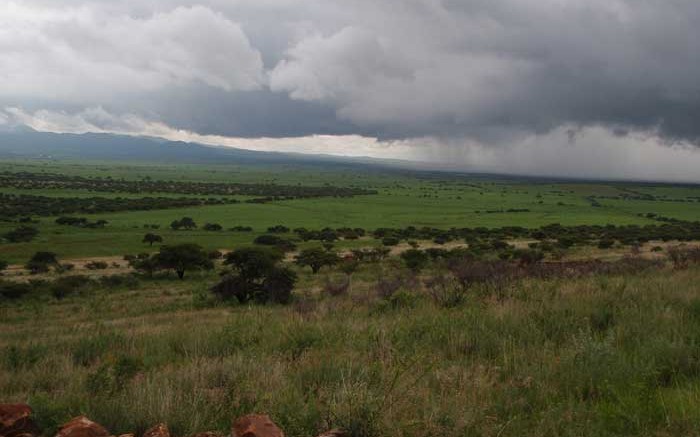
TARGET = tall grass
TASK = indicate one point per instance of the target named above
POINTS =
(592, 356)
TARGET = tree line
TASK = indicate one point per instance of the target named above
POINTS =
(265, 191)
(18, 205)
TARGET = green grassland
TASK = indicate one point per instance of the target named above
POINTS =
(578, 353)
(440, 200)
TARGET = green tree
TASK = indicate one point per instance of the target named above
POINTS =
(183, 257)
(151, 238)
(40, 262)
(186, 222)
(3, 265)
(316, 258)
(256, 275)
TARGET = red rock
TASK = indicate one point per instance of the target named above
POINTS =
(160, 430)
(15, 421)
(81, 426)
(256, 425)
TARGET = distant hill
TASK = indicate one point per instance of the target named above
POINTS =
(27, 143)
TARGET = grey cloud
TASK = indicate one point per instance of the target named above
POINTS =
(82, 54)
(486, 71)
(472, 68)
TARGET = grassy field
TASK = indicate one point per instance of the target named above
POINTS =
(538, 358)
(595, 354)
(404, 199)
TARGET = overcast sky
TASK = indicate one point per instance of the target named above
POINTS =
(607, 88)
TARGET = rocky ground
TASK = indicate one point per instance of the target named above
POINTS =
(16, 421)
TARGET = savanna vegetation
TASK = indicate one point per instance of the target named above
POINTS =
(426, 304)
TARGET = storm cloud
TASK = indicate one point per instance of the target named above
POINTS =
(444, 75)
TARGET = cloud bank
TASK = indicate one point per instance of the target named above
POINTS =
(484, 84)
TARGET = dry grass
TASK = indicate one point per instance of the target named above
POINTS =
(594, 356)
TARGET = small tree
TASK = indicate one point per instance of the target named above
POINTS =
(3, 266)
(257, 276)
(212, 227)
(40, 262)
(183, 257)
(151, 238)
(188, 223)
(316, 258)
(415, 259)
(185, 222)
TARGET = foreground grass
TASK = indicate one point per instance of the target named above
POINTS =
(591, 357)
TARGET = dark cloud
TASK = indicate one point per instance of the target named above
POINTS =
(490, 72)
(240, 114)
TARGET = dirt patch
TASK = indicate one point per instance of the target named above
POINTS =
(115, 265)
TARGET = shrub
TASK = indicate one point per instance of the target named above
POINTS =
(115, 281)
(64, 267)
(212, 227)
(276, 241)
(14, 290)
(41, 261)
(241, 229)
(387, 286)
(21, 234)
(606, 243)
(445, 290)
(469, 272)
(565, 242)
(67, 285)
(3, 266)
(528, 256)
(390, 241)
(143, 264)
(415, 259)
(96, 265)
(683, 256)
